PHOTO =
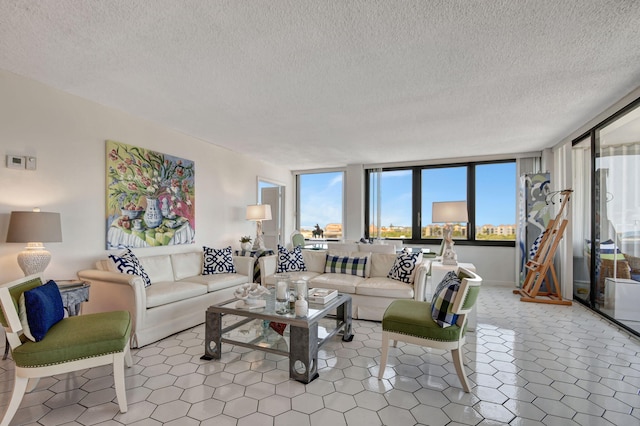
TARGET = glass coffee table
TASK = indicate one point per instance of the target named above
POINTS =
(250, 328)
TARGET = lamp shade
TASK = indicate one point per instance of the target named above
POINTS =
(30, 227)
(450, 212)
(259, 212)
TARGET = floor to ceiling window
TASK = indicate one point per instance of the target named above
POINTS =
(320, 205)
(390, 204)
(400, 201)
(606, 163)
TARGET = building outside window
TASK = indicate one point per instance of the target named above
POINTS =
(399, 201)
(390, 204)
(442, 184)
(495, 205)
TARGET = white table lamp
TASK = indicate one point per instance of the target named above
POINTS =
(258, 213)
(449, 212)
(34, 228)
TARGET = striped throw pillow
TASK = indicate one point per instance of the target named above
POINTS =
(443, 299)
(346, 265)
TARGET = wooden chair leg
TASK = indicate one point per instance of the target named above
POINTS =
(385, 353)
(19, 388)
(456, 354)
(118, 378)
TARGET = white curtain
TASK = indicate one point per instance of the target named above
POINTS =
(621, 203)
(581, 198)
(375, 205)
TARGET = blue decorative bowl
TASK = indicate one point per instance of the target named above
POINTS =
(131, 213)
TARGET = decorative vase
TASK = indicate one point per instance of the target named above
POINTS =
(246, 246)
(302, 307)
(165, 207)
(153, 215)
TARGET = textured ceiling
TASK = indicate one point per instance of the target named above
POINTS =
(309, 84)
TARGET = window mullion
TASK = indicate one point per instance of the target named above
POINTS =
(471, 202)
(416, 207)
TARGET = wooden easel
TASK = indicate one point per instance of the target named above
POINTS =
(541, 265)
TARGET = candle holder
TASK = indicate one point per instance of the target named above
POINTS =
(282, 296)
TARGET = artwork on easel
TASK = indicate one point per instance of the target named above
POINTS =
(150, 197)
(534, 214)
(541, 284)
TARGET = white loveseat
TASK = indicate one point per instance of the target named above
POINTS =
(370, 294)
(176, 299)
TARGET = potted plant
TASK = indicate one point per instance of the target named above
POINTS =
(245, 243)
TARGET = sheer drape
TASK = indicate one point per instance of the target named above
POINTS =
(581, 199)
(621, 202)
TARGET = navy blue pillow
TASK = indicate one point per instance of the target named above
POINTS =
(44, 308)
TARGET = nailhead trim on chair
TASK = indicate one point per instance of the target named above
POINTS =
(420, 337)
(71, 360)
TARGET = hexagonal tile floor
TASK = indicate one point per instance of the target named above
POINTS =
(529, 364)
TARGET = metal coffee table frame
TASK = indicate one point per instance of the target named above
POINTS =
(303, 332)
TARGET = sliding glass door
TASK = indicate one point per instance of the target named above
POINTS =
(606, 164)
(617, 169)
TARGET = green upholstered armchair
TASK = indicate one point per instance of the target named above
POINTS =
(71, 344)
(410, 321)
(297, 239)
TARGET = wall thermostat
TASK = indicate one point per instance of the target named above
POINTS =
(15, 162)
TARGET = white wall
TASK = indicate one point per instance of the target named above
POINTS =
(67, 135)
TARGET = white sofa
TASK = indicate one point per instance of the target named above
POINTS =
(370, 295)
(176, 299)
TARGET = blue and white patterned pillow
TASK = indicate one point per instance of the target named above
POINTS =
(536, 245)
(218, 261)
(128, 263)
(290, 261)
(403, 267)
(443, 299)
(346, 265)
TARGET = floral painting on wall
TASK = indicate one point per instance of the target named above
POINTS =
(150, 198)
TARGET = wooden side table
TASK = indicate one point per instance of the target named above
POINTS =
(438, 271)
